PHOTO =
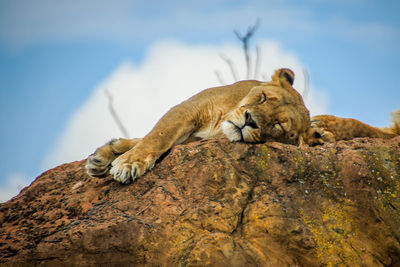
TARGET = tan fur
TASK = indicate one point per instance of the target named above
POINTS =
(249, 111)
(328, 128)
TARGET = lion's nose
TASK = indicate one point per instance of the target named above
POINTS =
(248, 121)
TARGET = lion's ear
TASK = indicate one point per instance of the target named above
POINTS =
(283, 77)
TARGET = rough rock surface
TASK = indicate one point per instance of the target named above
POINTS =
(215, 203)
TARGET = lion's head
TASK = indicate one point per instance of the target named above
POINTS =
(272, 111)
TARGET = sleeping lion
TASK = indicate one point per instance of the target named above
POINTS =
(247, 111)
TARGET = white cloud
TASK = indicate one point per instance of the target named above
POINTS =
(13, 184)
(170, 73)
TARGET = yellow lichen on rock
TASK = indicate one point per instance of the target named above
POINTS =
(333, 232)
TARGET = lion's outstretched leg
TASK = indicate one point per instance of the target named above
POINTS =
(332, 128)
(99, 163)
(175, 127)
(142, 157)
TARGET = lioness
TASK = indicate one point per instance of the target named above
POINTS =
(329, 128)
(247, 111)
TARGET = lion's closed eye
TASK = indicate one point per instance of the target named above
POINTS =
(263, 98)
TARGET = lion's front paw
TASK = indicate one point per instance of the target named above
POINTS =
(98, 164)
(125, 170)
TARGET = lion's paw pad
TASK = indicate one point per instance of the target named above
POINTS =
(97, 166)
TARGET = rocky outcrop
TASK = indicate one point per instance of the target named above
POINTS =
(215, 203)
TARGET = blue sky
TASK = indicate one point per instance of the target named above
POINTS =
(54, 54)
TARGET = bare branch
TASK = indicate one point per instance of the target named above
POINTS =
(306, 89)
(219, 77)
(245, 41)
(231, 66)
(245, 44)
(258, 62)
(115, 115)
(238, 35)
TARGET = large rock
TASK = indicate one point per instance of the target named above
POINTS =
(217, 203)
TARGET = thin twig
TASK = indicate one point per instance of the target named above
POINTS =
(140, 211)
(258, 62)
(231, 66)
(115, 115)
